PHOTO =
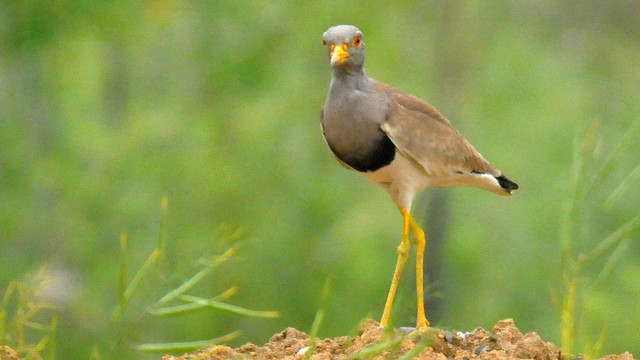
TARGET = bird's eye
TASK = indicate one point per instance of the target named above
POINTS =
(357, 41)
(324, 42)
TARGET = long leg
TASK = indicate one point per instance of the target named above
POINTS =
(420, 241)
(403, 254)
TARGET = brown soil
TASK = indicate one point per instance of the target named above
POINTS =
(7, 353)
(504, 342)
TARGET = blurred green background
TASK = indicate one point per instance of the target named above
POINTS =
(107, 106)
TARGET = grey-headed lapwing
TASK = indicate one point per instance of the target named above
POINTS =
(397, 141)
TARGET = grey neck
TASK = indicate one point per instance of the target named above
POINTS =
(353, 77)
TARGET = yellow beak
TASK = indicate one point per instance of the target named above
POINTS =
(339, 54)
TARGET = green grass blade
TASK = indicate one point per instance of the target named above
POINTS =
(317, 320)
(36, 326)
(378, 348)
(568, 314)
(612, 262)
(593, 351)
(191, 282)
(196, 303)
(14, 286)
(52, 338)
(229, 308)
(176, 310)
(4, 309)
(164, 264)
(226, 294)
(135, 282)
(122, 278)
(3, 319)
(428, 338)
(629, 137)
(569, 267)
(417, 349)
(628, 182)
(185, 346)
(162, 236)
(611, 241)
(566, 231)
(140, 274)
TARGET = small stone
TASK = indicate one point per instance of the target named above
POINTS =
(480, 349)
(448, 336)
(303, 351)
(406, 329)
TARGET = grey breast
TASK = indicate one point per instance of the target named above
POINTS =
(351, 124)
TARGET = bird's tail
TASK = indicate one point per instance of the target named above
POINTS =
(506, 184)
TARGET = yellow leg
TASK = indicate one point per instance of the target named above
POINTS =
(420, 241)
(403, 254)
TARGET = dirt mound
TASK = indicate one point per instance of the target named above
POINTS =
(504, 342)
(7, 353)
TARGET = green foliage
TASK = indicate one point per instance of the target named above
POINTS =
(171, 302)
(28, 324)
(391, 341)
(317, 321)
(106, 106)
(582, 246)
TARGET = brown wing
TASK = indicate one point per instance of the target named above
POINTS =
(420, 132)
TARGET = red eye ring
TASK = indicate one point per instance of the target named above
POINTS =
(357, 40)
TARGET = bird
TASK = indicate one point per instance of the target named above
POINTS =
(399, 142)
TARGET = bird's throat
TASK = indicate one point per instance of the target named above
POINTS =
(349, 75)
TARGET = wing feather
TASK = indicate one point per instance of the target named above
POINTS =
(420, 132)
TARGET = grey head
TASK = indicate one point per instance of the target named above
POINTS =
(345, 46)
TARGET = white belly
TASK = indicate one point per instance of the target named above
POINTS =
(402, 179)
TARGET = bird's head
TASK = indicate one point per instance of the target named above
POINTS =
(344, 45)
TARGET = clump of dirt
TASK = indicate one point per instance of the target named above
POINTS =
(7, 353)
(504, 342)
